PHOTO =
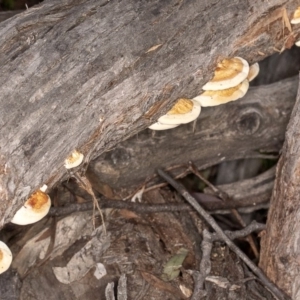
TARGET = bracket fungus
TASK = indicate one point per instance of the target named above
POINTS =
(296, 16)
(226, 94)
(34, 209)
(229, 73)
(74, 160)
(230, 82)
(184, 111)
(160, 126)
(214, 98)
(5, 257)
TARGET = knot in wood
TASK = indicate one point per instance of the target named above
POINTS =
(249, 122)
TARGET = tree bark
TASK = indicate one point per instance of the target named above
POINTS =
(85, 74)
(280, 245)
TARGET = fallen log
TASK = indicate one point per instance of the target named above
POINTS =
(89, 74)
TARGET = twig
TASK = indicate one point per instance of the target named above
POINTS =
(249, 238)
(88, 187)
(243, 210)
(122, 287)
(198, 291)
(109, 291)
(137, 207)
(159, 185)
(205, 266)
(218, 192)
(180, 188)
(225, 197)
(118, 204)
(252, 227)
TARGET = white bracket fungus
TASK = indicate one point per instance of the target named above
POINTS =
(225, 95)
(229, 73)
(34, 209)
(74, 160)
(296, 16)
(159, 126)
(184, 111)
(5, 257)
(214, 98)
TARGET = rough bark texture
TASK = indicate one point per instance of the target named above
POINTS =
(280, 245)
(84, 74)
(245, 128)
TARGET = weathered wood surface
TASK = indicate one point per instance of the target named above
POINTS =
(83, 74)
(280, 245)
(246, 128)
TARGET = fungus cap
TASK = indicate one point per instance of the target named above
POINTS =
(229, 73)
(253, 71)
(214, 98)
(74, 160)
(297, 43)
(159, 126)
(296, 16)
(184, 111)
(5, 257)
(34, 209)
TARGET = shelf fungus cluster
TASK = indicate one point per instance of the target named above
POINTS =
(296, 20)
(5, 257)
(230, 82)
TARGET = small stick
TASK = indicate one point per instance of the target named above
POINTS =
(88, 187)
(137, 207)
(118, 204)
(210, 220)
(159, 185)
(252, 227)
(218, 192)
(205, 266)
(225, 197)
